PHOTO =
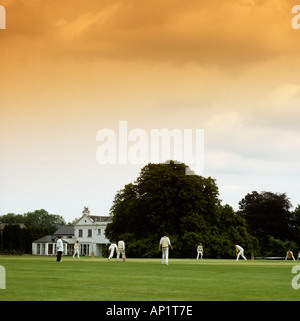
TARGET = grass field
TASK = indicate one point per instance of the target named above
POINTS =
(42, 278)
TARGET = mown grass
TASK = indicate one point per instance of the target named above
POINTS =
(42, 278)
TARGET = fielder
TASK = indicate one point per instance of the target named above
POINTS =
(164, 245)
(290, 255)
(239, 252)
(121, 250)
(112, 249)
(200, 251)
(76, 250)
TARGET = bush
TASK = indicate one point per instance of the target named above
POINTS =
(276, 247)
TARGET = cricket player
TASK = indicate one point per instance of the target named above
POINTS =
(289, 255)
(239, 252)
(76, 250)
(112, 249)
(200, 251)
(164, 245)
(121, 250)
(59, 248)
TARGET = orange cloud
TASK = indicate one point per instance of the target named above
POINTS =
(223, 33)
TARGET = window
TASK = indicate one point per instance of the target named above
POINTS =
(89, 233)
(99, 231)
(80, 233)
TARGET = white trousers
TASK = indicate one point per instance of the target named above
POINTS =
(111, 254)
(76, 252)
(118, 254)
(165, 255)
(201, 253)
(241, 253)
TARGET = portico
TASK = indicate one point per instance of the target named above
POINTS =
(47, 246)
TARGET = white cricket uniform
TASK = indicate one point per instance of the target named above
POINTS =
(165, 243)
(59, 245)
(121, 249)
(59, 249)
(112, 249)
(199, 251)
(240, 253)
(290, 255)
(76, 250)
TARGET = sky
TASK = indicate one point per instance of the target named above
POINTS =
(69, 69)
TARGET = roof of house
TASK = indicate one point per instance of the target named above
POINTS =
(2, 225)
(101, 218)
(65, 230)
(46, 239)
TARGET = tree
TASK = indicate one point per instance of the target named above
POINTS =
(11, 218)
(268, 213)
(38, 218)
(164, 198)
(296, 216)
(269, 218)
(41, 218)
(14, 239)
(38, 224)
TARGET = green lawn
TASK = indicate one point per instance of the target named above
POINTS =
(42, 278)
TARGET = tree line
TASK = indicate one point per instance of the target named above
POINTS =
(17, 240)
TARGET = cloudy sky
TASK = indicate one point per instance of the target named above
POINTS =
(69, 69)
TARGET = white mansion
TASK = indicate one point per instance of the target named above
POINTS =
(88, 230)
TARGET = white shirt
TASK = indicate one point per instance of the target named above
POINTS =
(113, 246)
(239, 248)
(59, 245)
(121, 245)
(165, 242)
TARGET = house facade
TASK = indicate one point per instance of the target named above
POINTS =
(89, 230)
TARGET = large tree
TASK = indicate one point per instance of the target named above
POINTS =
(296, 216)
(268, 213)
(164, 198)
